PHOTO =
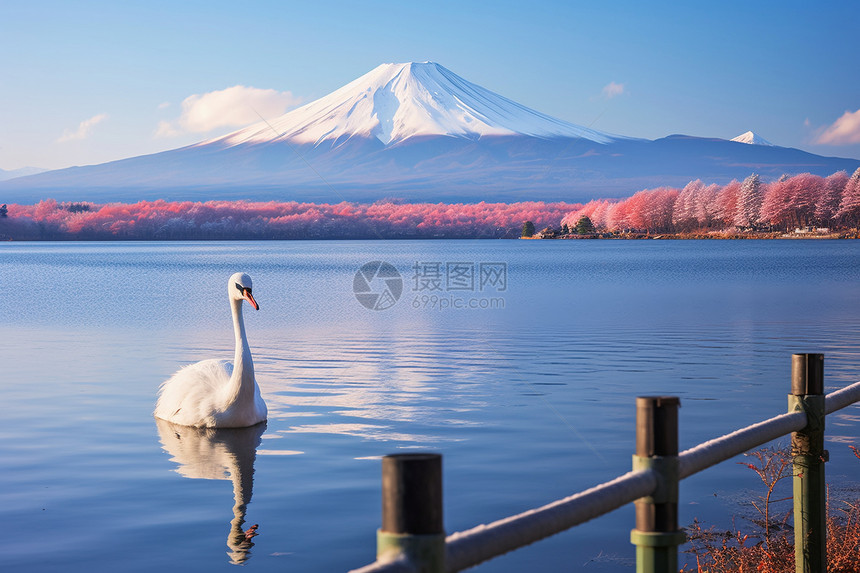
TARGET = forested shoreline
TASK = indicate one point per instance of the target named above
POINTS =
(800, 205)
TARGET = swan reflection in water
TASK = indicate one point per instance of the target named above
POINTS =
(220, 454)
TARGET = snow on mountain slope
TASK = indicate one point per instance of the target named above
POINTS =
(395, 102)
(752, 138)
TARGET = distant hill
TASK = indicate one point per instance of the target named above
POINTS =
(22, 172)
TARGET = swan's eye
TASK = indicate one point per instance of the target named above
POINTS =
(239, 287)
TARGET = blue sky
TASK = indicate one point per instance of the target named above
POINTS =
(91, 81)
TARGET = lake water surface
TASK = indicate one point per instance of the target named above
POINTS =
(519, 361)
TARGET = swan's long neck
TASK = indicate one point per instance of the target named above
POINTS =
(242, 380)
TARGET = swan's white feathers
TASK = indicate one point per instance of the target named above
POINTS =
(194, 393)
(197, 395)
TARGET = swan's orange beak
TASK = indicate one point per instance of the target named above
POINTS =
(246, 294)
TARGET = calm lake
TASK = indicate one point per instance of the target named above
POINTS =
(519, 361)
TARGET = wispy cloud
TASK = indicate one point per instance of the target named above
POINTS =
(164, 105)
(843, 131)
(235, 106)
(612, 89)
(167, 129)
(84, 129)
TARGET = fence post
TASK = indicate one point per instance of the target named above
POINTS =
(412, 511)
(809, 455)
(657, 535)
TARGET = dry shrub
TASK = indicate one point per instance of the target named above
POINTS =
(771, 548)
(843, 537)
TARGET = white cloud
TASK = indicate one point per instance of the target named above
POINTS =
(236, 106)
(844, 131)
(84, 129)
(164, 105)
(166, 129)
(612, 90)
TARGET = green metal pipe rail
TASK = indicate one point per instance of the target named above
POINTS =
(412, 539)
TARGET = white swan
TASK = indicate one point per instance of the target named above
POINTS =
(217, 393)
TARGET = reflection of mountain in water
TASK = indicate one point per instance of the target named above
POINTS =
(221, 454)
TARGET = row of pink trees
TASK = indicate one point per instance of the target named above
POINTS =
(49, 220)
(790, 202)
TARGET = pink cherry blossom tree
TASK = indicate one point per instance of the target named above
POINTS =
(849, 207)
(726, 204)
(791, 201)
(827, 205)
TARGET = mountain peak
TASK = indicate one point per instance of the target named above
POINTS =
(752, 138)
(397, 101)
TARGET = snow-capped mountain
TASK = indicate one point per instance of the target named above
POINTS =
(420, 133)
(752, 138)
(395, 102)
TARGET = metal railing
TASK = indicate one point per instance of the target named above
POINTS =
(412, 538)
